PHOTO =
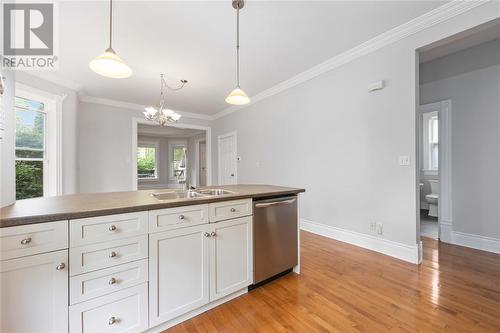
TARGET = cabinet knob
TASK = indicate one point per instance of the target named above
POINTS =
(112, 227)
(112, 320)
(112, 281)
(26, 240)
(112, 254)
(213, 234)
(206, 234)
(181, 217)
(233, 210)
(61, 266)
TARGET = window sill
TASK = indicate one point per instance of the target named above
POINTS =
(428, 172)
(148, 180)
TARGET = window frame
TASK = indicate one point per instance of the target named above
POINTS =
(156, 146)
(52, 160)
(427, 144)
(171, 146)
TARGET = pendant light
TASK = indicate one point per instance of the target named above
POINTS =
(109, 64)
(238, 96)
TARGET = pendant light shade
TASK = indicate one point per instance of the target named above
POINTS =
(109, 64)
(238, 96)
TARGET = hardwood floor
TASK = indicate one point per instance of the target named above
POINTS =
(344, 288)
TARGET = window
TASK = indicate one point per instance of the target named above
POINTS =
(147, 161)
(430, 142)
(178, 161)
(31, 156)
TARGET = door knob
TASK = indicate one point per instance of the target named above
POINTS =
(232, 175)
(213, 234)
(112, 281)
(206, 234)
(112, 320)
(61, 266)
(112, 254)
(112, 228)
(233, 210)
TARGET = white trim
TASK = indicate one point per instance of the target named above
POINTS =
(233, 133)
(133, 106)
(53, 162)
(194, 313)
(476, 242)
(427, 20)
(208, 134)
(197, 160)
(57, 80)
(409, 253)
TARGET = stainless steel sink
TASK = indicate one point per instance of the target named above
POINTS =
(215, 192)
(177, 195)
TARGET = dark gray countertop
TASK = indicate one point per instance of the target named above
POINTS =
(76, 206)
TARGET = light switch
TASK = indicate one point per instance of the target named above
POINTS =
(404, 160)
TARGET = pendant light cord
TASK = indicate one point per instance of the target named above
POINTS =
(238, 46)
(110, 22)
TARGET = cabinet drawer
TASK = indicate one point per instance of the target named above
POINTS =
(103, 255)
(123, 311)
(105, 281)
(32, 239)
(105, 228)
(179, 217)
(226, 210)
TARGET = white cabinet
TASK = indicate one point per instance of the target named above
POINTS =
(190, 267)
(178, 272)
(231, 266)
(122, 311)
(34, 293)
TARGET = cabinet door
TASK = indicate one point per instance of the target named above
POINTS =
(34, 293)
(178, 272)
(231, 257)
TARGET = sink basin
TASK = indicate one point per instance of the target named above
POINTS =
(177, 195)
(215, 192)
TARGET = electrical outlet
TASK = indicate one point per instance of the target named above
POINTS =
(380, 228)
(373, 226)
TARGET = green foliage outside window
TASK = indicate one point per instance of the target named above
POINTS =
(29, 179)
(146, 162)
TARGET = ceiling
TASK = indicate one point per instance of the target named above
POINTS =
(195, 41)
(167, 131)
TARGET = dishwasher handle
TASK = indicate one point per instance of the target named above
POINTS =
(273, 203)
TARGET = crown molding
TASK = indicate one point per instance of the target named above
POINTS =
(427, 20)
(138, 107)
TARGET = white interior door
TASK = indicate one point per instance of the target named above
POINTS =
(227, 159)
(203, 164)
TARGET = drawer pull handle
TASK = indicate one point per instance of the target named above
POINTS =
(206, 234)
(112, 254)
(112, 320)
(61, 266)
(213, 234)
(26, 240)
(112, 281)
(233, 210)
(181, 217)
(112, 227)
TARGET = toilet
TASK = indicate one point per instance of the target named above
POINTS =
(433, 198)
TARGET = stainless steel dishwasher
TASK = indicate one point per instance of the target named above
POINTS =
(275, 236)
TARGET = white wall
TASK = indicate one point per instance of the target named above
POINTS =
(341, 143)
(475, 95)
(193, 158)
(105, 147)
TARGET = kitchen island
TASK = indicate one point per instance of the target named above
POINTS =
(126, 261)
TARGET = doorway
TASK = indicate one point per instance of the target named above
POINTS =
(227, 159)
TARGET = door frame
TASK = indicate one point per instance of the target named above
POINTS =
(445, 171)
(222, 136)
(208, 137)
(197, 161)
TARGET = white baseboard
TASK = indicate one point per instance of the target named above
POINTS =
(401, 251)
(476, 242)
